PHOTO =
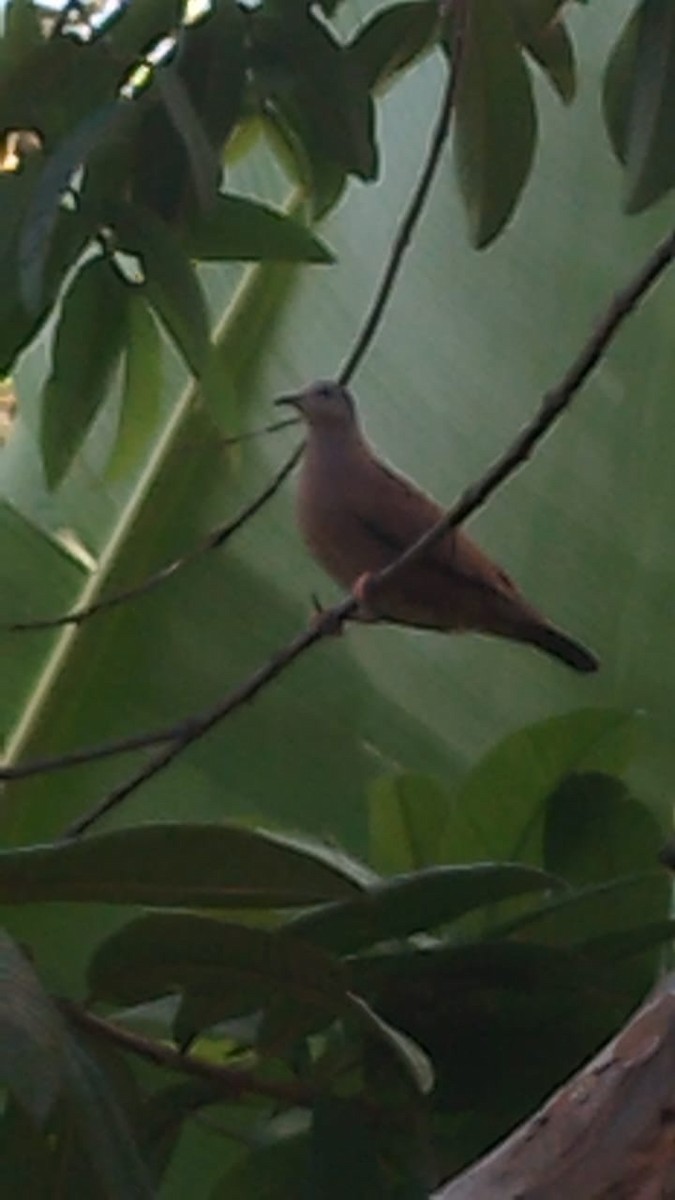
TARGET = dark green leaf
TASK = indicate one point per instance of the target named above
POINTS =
(622, 905)
(40, 219)
(32, 1035)
(171, 285)
(87, 347)
(143, 24)
(407, 815)
(496, 123)
(315, 93)
(540, 28)
(27, 1161)
(411, 903)
(407, 1053)
(498, 812)
(172, 864)
(639, 97)
(221, 969)
(141, 389)
(245, 230)
(618, 85)
(337, 1124)
(595, 830)
(394, 38)
(103, 1129)
(271, 1172)
(177, 154)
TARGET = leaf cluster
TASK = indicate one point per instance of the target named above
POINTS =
(118, 131)
(504, 929)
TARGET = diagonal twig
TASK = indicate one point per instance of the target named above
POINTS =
(227, 1080)
(211, 542)
(418, 199)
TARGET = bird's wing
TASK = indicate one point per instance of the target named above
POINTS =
(397, 513)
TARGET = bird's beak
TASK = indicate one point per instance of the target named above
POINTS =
(293, 401)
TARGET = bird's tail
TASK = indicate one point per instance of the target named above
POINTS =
(553, 641)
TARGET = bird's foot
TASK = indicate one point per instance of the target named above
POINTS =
(362, 591)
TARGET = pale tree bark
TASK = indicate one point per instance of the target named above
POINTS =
(608, 1134)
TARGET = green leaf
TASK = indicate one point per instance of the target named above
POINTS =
(541, 30)
(407, 817)
(499, 811)
(103, 1129)
(495, 121)
(173, 864)
(639, 97)
(87, 347)
(245, 230)
(394, 38)
(623, 905)
(314, 92)
(618, 85)
(27, 1161)
(416, 1064)
(337, 1124)
(141, 388)
(40, 219)
(270, 1172)
(195, 105)
(32, 1035)
(221, 969)
(171, 284)
(411, 903)
(596, 830)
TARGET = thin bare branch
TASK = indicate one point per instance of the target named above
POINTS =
(328, 622)
(417, 200)
(211, 542)
(229, 1081)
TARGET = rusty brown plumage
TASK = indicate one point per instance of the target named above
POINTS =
(357, 515)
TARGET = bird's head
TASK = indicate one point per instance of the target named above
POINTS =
(324, 405)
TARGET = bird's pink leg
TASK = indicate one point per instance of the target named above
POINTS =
(362, 591)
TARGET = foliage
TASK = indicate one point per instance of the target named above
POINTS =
(373, 1006)
(513, 915)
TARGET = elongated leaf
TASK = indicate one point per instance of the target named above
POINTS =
(27, 1161)
(40, 220)
(103, 1129)
(496, 819)
(338, 1123)
(245, 230)
(141, 390)
(32, 1036)
(540, 28)
(171, 284)
(408, 815)
(271, 1172)
(410, 903)
(408, 1054)
(394, 38)
(627, 904)
(221, 969)
(172, 864)
(87, 347)
(496, 123)
(595, 830)
(316, 93)
(639, 98)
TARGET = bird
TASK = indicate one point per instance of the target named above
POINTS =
(357, 514)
